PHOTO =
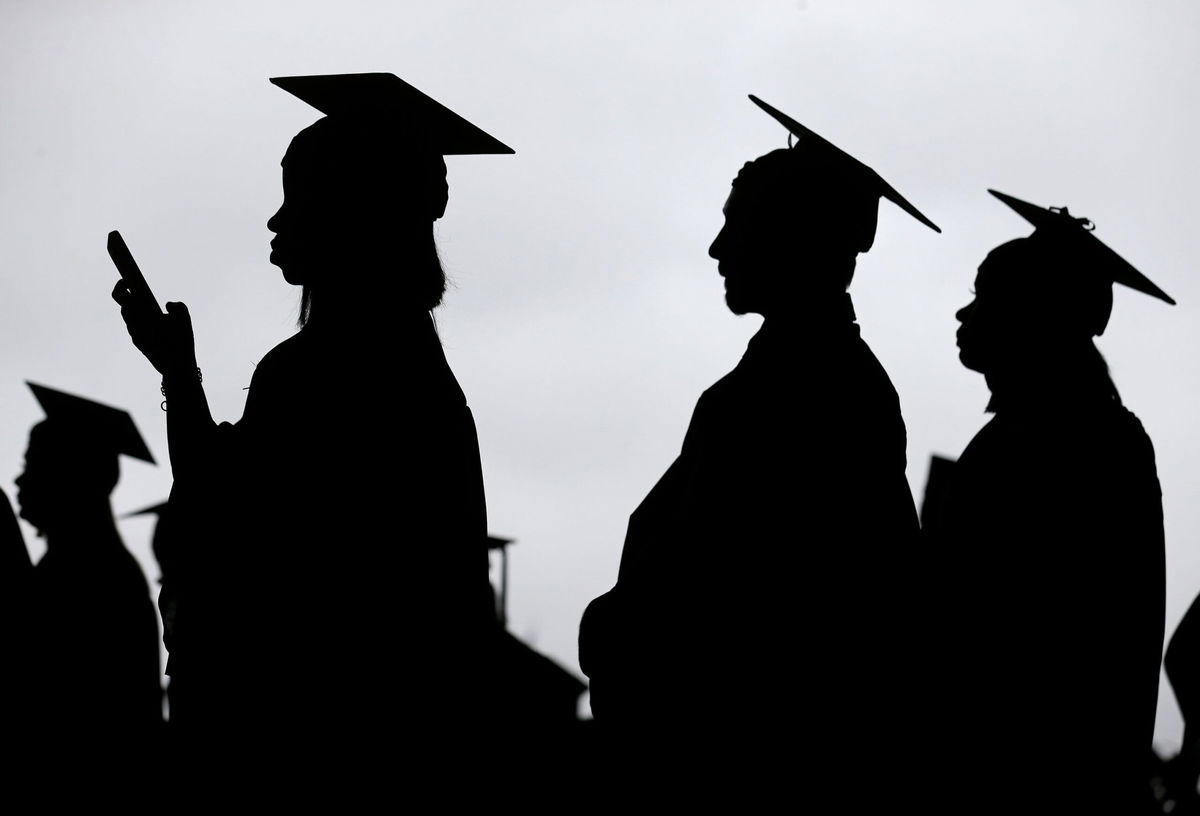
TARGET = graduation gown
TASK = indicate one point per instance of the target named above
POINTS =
(1047, 567)
(334, 581)
(93, 653)
(756, 588)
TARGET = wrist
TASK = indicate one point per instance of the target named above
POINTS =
(176, 379)
(180, 371)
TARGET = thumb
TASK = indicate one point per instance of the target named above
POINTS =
(120, 292)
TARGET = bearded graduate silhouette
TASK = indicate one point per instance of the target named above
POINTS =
(332, 594)
(1046, 549)
(754, 601)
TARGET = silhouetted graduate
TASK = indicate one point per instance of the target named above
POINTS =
(332, 589)
(15, 565)
(754, 597)
(1182, 665)
(16, 572)
(1047, 549)
(91, 662)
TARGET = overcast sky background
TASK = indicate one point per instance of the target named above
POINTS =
(586, 317)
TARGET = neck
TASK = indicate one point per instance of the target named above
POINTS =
(1079, 377)
(88, 526)
(823, 310)
(356, 313)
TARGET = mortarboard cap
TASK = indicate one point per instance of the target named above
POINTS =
(843, 163)
(102, 425)
(152, 510)
(1057, 222)
(386, 97)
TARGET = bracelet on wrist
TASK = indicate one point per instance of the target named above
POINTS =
(163, 388)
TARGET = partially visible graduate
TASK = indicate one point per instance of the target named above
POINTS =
(89, 656)
(1047, 546)
(329, 554)
(1181, 663)
(161, 544)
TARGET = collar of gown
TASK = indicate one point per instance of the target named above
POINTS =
(1050, 393)
(820, 318)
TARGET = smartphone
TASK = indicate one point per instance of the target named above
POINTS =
(129, 271)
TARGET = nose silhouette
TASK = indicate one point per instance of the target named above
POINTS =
(714, 250)
(965, 312)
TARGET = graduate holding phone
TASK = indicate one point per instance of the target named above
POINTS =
(331, 544)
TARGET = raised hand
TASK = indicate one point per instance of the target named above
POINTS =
(166, 340)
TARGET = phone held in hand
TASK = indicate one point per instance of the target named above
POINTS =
(119, 252)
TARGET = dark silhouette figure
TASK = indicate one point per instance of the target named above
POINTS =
(90, 656)
(15, 564)
(16, 573)
(1047, 558)
(328, 550)
(1181, 774)
(755, 593)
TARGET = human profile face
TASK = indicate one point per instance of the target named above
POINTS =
(326, 220)
(36, 487)
(967, 338)
(1003, 324)
(340, 215)
(746, 258)
(300, 246)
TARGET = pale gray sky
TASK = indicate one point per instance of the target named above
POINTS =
(586, 316)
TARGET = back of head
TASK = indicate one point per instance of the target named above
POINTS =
(828, 195)
(1046, 282)
(830, 210)
(373, 166)
(1037, 308)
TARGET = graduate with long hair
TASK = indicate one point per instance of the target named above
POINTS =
(330, 547)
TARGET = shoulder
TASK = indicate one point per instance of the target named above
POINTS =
(1127, 424)
(287, 355)
(859, 393)
(1104, 446)
(835, 373)
(1129, 441)
(279, 370)
(1105, 430)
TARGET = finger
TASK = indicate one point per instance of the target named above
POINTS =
(120, 292)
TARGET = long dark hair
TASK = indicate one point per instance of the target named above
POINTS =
(385, 188)
(419, 279)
